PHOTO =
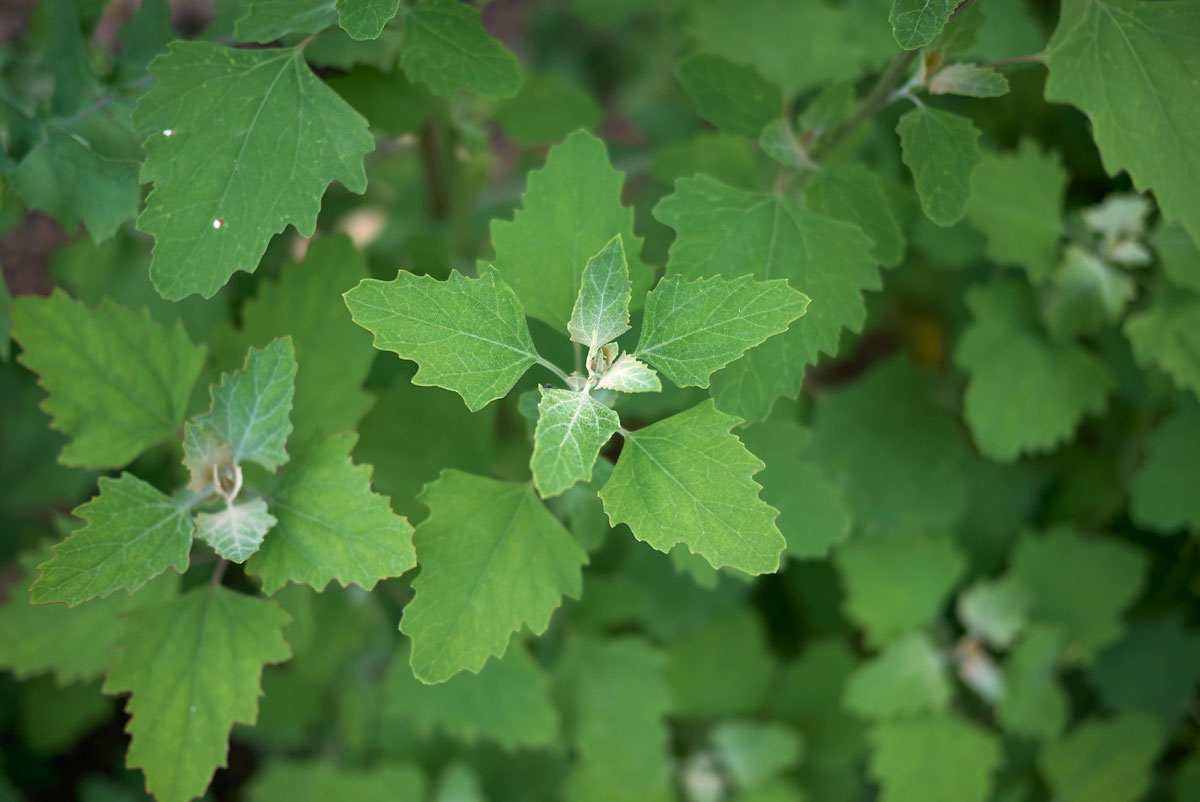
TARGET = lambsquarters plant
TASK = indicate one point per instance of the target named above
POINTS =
(770, 400)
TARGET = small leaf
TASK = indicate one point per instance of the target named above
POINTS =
(364, 19)
(237, 531)
(1166, 335)
(569, 212)
(467, 335)
(916, 23)
(970, 80)
(118, 382)
(1024, 393)
(688, 479)
(733, 97)
(1162, 497)
(250, 409)
(493, 559)
(546, 111)
(268, 20)
(1104, 761)
(854, 194)
(694, 328)
(133, 534)
(447, 49)
(1086, 294)
(1016, 201)
(628, 375)
(939, 758)
(1034, 704)
(251, 139)
(756, 752)
(193, 666)
(310, 781)
(601, 311)
(330, 523)
(908, 677)
(1163, 648)
(994, 611)
(942, 150)
(572, 427)
(508, 702)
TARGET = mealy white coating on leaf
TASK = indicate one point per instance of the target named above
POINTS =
(572, 427)
(237, 531)
(629, 375)
(601, 312)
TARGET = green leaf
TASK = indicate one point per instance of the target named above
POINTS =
(779, 141)
(447, 49)
(1024, 393)
(546, 110)
(1161, 497)
(724, 668)
(467, 335)
(854, 194)
(1016, 201)
(570, 211)
(942, 150)
(364, 19)
(1179, 255)
(809, 697)
(1127, 65)
(74, 644)
(969, 80)
(118, 382)
(618, 702)
(5, 321)
(601, 312)
(330, 524)
(1104, 761)
(1086, 294)
(1081, 585)
(907, 678)
(893, 450)
(693, 328)
(391, 103)
(812, 510)
(916, 23)
(320, 782)
(507, 702)
(733, 97)
(254, 139)
(687, 479)
(1161, 648)
(250, 409)
(1033, 703)
(628, 375)
(236, 531)
(754, 753)
(727, 232)
(572, 427)
(933, 759)
(193, 666)
(133, 534)
(894, 585)
(995, 611)
(493, 559)
(268, 20)
(333, 355)
(66, 178)
(1166, 335)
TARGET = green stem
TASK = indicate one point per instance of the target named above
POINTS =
(876, 99)
(555, 369)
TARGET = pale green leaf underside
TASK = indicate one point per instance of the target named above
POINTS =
(254, 139)
(508, 702)
(193, 666)
(687, 479)
(916, 23)
(133, 534)
(251, 408)
(572, 427)
(467, 335)
(756, 752)
(570, 210)
(493, 559)
(1129, 66)
(942, 150)
(447, 49)
(118, 382)
(628, 375)
(969, 80)
(330, 523)
(693, 328)
(601, 312)
(237, 531)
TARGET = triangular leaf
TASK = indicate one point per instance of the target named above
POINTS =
(237, 531)
(942, 150)
(447, 49)
(572, 427)
(601, 312)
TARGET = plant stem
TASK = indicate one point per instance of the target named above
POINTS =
(875, 100)
(555, 369)
(1029, 59)
(218, 572)
(434, 162)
